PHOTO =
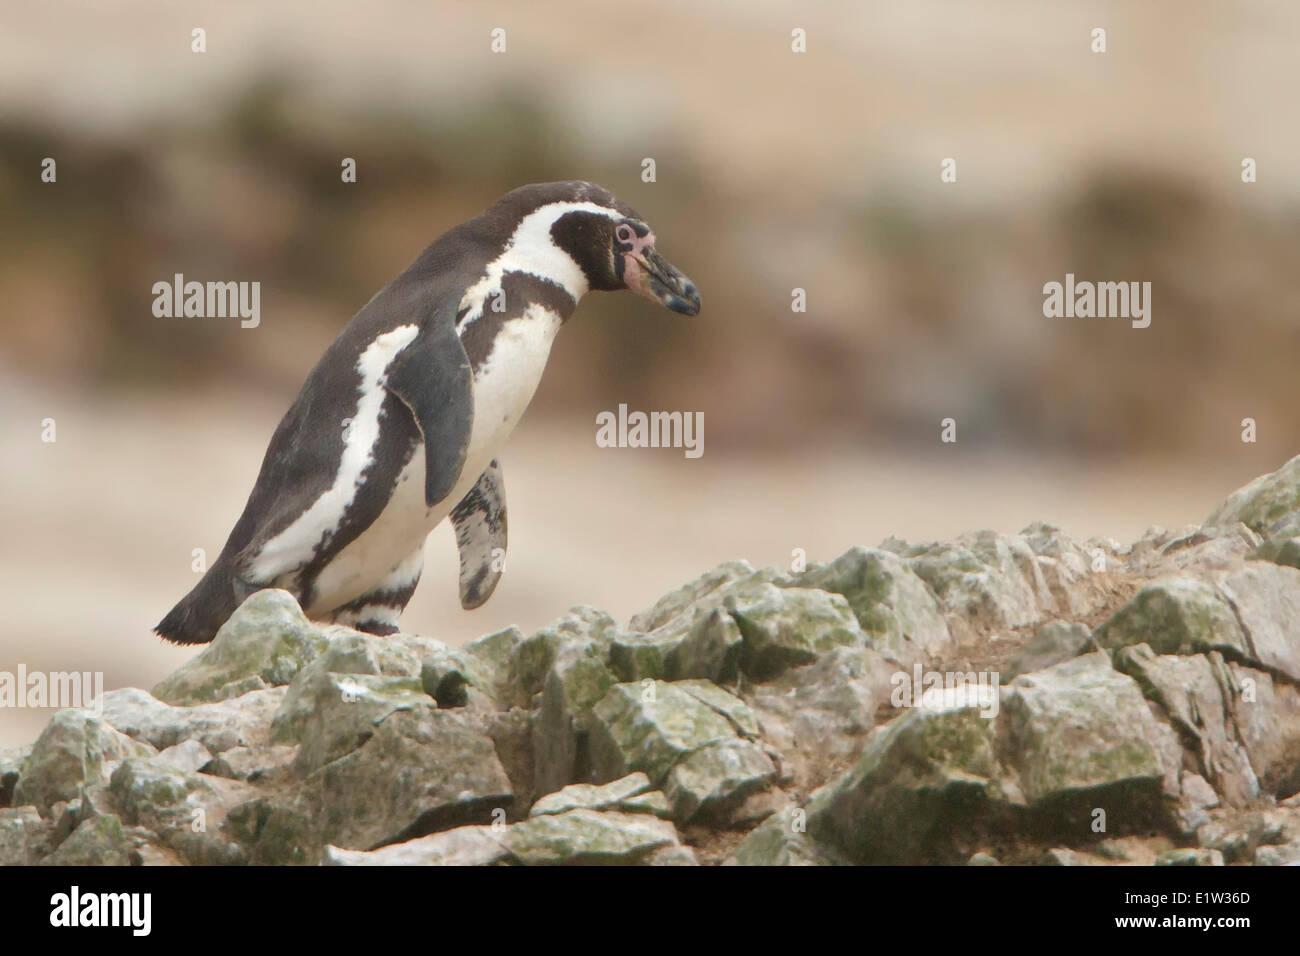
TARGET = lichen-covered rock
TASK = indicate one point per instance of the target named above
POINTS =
(1192, 692)
(653, 802)
(145, 853)
(789, 627)
(1284, 528)
(636, 657)
(333, 714)
(709, 650)
(576, 836)
(733, 708)
(1143, 551)
(1064, 856)
(243, 721)
(1080, 737)
(375, 662)
(674, 854)
(315, 692)
(282, 828)
(690, 736)
(780, 840)
(348, 651)
(1265, 502)
(512, 736)
(11, 766)
(463, 846)
(422, 770)
(926, 781)
(1265, 598)
(98, 841)
(587, 837)
(691, 633)
(1237, 841)
(985, 579)
(1284, 551)
(1251, 615)
(584, 796)
(186, 810)
(761, 709)
(578, 677)
(679, 609)
(495, 650)
(1195, 799)
(1052, 643)
(1266, 718)
(1288, 855)
(70, 814)
(896, 609)
(1178, 616)
(189, 756)
(824, 710)
(649, 728)
(734, 618)
(452, 677)
(74, 750)
(713, 781)
(1076, 576)
(254, 764)
(1190, 856)
(533, 657)
(1193, 552)
(263, 644)
(21, 834)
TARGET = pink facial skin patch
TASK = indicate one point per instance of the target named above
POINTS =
(634, 276)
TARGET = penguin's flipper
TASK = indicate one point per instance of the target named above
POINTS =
(480, 522)
(432, 377)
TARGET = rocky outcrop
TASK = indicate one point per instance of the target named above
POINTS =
(995, 699)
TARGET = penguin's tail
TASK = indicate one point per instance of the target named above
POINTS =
(199, 615)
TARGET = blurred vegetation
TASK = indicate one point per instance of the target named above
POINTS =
(912, 316)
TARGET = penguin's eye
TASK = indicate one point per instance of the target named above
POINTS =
(624, 233)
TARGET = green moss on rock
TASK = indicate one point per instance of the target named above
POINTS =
(263, 644)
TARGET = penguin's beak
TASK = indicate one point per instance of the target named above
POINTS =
(659, 280)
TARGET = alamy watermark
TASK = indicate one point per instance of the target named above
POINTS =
(74, 908)
(1102, 300)
(946, 690)
(651, 430)
(78, 690)
(209, 300)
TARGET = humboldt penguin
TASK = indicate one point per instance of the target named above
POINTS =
(400, 424)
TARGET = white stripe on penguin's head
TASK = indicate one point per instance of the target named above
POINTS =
(532, 249)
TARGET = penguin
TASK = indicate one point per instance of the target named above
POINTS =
(401, 423)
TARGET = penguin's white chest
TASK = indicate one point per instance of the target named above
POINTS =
(504, 384)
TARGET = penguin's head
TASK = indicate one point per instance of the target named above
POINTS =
(614, 247)
(640, 268)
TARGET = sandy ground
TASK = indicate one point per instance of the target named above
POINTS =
(100, 525)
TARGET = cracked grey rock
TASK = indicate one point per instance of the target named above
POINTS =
(238, 722)
(895, 608)
(74, 751)
(589, 837)
(263, 644)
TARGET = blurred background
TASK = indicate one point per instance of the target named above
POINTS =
(775, 170)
